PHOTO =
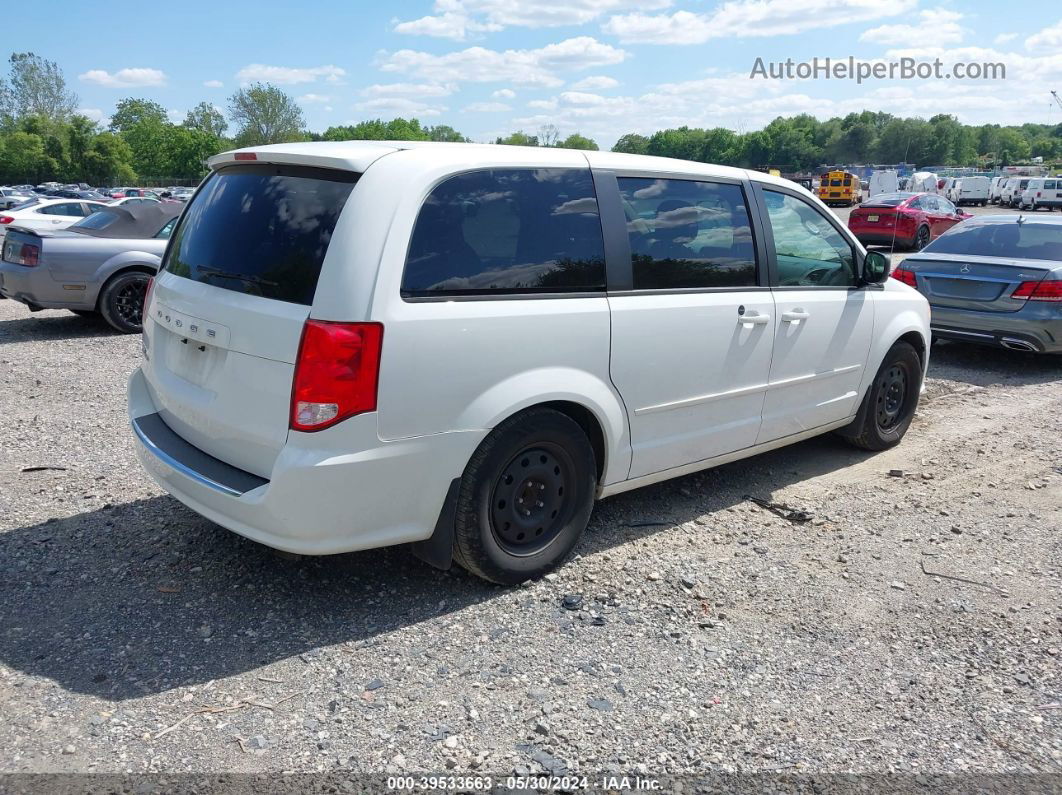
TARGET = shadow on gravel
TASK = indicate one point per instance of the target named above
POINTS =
(146, 596)
(65, 326)
(981, 365)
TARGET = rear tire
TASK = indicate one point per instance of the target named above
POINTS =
(889, 405)
(922, 238)
(525, 497)
(122, 301)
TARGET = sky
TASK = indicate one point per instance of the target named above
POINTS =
(599, 67)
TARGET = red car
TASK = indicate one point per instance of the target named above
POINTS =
(910, 220)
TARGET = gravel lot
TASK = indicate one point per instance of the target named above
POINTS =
(694, 631)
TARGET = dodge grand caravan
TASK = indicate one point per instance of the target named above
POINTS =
(461, 347)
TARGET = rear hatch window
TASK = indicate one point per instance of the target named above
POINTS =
(261, 230)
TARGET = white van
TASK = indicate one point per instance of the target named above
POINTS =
(883, 182)
(1042, 192)
(462, 346)
(946, 188)
(995, 189)
(1012, 190)
(970, 190)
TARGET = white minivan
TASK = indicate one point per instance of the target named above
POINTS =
(1042, 192)
(462, 346)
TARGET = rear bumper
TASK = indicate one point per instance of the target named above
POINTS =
(1037, 327)
(877, 237)
(338, 490)
(36, 288)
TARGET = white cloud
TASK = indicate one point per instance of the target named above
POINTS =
(328, 109)
(175, 116)
(213, 83)
(582, 98)
(287, 75)
(408, 90)
(95, 114)
(750, 18)
(399, 106)
(543, 104)
(940, 25)
(125, 78)
(504, 93)
(486, 107)
(314, 99)
(595, 83)
(1004, 38)
(1047, 40)
(529, 67)
(461, 19)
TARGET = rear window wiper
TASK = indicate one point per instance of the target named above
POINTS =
(242, 277)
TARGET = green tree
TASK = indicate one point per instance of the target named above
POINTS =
(108, 161)
(207, 119)
(577, 141)
(444, 132)
(518, 138)
(631, 144)
(36, 87)
(24, 158)
(132, 111)
(265, 115)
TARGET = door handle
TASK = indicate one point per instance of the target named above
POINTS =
(794, 316)
(753, 320)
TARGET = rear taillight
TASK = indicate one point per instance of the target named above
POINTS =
(336, 373)
(30, 255)
(1039, 291)
(147, 293)
(905, 276)
(6, 219)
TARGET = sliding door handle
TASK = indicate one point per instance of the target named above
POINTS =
(794, 316)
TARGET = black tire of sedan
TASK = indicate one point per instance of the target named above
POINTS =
(890, 402)
(922, 237)
(122, 301)
(525, 497)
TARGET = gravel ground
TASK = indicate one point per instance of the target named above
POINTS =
(912, 625)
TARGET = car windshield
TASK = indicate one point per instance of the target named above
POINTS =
(1027, 240)
(888, 200)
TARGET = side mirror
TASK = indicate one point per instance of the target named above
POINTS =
(876, 268)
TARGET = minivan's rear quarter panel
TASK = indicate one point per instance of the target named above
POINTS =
(458, 365)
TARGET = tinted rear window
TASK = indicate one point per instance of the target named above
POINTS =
(1026, 240)
(261, 230)
(507, 231)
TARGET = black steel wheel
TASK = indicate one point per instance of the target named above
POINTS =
(525, 497)
(890, 394)
(890, 402)
(528, 508)
(121, 301)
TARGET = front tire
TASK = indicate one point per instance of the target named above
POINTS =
(525, 497)
(889, 405)
(122, 301)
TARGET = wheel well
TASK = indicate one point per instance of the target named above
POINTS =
(915, 340)
(146, 269)
(590, 425)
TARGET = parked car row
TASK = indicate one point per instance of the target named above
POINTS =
(1027, 193)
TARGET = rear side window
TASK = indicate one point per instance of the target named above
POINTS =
(688, 234)
(261, 230)
(1050, 184)
(507, 231)
(71, 209)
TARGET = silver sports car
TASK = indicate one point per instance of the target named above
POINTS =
(100, 264)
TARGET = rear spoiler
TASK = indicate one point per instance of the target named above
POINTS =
(340, 155)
